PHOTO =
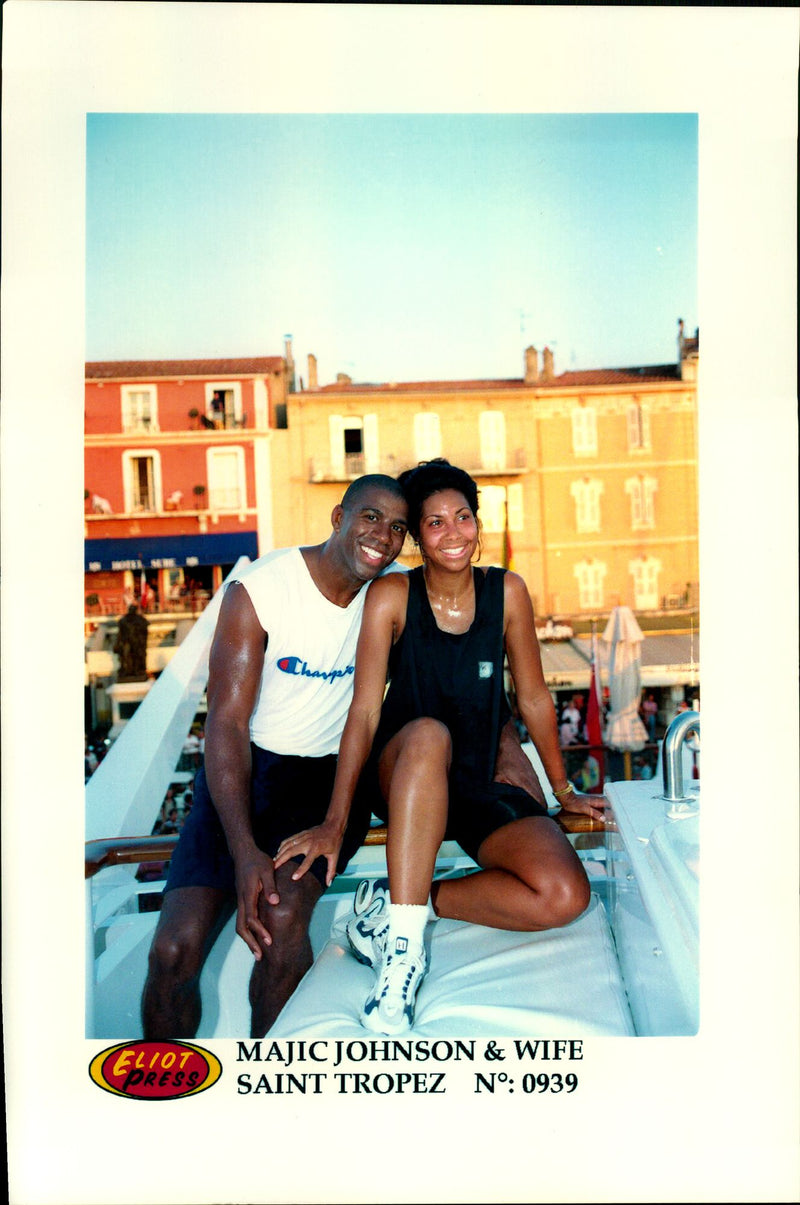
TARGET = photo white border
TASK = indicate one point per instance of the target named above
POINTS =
(702, 1119)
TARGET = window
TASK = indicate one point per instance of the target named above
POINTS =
(139, 411)
(638, 428)
(224, 404)
(354, 445)
(492, 430)
(427, 436)
(587, 504)
(645, 571)
(226, 479)
(141, 476)
(590, 575)
(492, 508)
(642, 495)
(584, 431)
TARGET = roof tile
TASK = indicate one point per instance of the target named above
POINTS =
(140, 369)
(586, 378)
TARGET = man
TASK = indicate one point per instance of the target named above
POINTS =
(280, 683)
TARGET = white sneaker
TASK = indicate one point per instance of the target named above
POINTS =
(368, 927)
(389, 1008)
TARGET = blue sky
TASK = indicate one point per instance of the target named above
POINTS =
(393, 247)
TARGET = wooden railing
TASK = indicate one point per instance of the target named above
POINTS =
(129, 851)
(125, 851)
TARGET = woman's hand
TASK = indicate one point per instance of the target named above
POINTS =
(577, 803)
(322, 841)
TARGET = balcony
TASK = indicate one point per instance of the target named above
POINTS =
(103, 604)
(354, 464)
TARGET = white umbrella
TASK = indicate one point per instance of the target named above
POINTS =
(624, 730)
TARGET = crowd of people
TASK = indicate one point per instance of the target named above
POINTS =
(174, 812)
(95, 747)
(572, 724)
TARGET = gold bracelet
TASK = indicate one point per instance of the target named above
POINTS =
(567, 790)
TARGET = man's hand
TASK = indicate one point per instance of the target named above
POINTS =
(322, 841)
(255, 879)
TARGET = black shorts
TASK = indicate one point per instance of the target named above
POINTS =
(288, 794)
(475, 810)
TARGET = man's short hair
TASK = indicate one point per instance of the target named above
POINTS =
(371, 481)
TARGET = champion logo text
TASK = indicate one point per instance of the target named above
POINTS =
(299, 669)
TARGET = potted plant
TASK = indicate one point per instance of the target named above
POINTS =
(194, 414)
(199, 494)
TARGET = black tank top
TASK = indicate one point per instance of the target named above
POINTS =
(457, 679)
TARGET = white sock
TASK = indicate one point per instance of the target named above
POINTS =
(409, 921)
(429, 905)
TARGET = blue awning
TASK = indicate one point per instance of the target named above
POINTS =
(169, 552)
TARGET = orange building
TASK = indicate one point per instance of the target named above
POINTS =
(178, 474)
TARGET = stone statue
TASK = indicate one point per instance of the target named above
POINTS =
(131, 647)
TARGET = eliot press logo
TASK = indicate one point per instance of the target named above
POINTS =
(155, 1070)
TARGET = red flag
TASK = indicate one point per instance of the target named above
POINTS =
(593, 726)
(594, 729)
(508, 551)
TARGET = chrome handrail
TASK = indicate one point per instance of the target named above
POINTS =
(681, 804)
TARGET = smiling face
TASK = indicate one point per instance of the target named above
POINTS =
(370, 532)
(448, 530)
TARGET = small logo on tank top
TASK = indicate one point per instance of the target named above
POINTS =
(485, 669)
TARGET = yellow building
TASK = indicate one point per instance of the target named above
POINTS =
(596, 471)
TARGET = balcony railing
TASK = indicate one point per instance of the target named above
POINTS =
(102, 605)
(355, 464)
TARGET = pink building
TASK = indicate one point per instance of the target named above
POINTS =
(177, 475)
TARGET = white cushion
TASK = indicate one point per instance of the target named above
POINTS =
(556, 983)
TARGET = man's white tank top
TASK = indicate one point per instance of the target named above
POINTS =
(307, 681)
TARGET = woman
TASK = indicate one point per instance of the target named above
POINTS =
(427, 753)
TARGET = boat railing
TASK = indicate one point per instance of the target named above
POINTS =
(132, 851)
(680, 802)
(126, 851)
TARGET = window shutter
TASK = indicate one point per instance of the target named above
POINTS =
(516, 508)
(372, 456)
(427, 436)
(336, 432)
(492, 428)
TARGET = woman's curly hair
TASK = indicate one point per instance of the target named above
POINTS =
(430, 477)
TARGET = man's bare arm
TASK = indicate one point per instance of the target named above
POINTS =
(235, 667)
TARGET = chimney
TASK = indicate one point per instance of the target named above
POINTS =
(287, 352)
(680, 340)
(547, 365)
(312, 371)
(531, 366)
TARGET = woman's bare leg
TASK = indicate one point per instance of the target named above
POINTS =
(531, 879)
(413, 774)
